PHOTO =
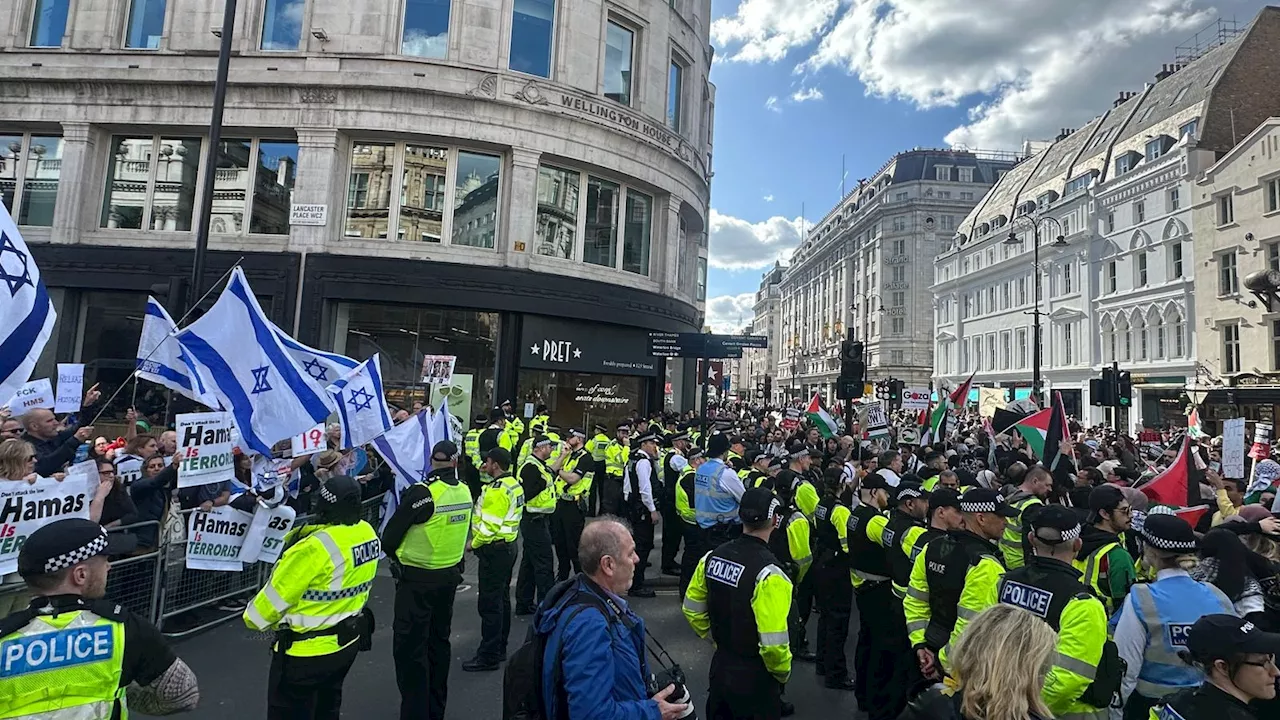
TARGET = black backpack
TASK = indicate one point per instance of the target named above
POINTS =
(1105, 688)
(522, 680)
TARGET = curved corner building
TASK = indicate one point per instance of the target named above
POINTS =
(523, 184)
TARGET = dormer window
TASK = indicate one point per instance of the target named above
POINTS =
(1158, 147)
(1127, 162)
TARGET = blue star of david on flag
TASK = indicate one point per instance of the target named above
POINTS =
(26, 316)
(360, 399)
(260, 383)
(16, 279)
(316, 370)
(353, 394)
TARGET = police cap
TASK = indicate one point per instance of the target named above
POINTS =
(65, 543)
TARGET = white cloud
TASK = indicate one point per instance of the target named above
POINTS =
(728, 313)
(806, 93)
(740, 245)
(1025, 69)
(772, 104)
(767, 198)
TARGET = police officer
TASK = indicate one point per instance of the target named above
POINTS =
(833, 590)
(1035, 487)
(537, 556)
(735, 457)
(616, 455)
(742, 598)
(494, 526)
(801, 463)
(551, 432)
(572, 484)
(955, 578)
(910, 506)
(717, 492)
(756, 472)
(74, 654)
(674, 461)
(943, 516)
(792, 544)
(511, 422)
(1239, 664)
(425, 540)
(1156, 617)
(471, 453)
(495, 435)
(1050, 588)
(638, 497)
(685, 493)
(597, 446)
(316, 602)
(540, 420)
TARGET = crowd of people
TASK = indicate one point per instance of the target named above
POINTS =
(990, 584)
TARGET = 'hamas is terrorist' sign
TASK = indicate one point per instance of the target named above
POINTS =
(205, 442)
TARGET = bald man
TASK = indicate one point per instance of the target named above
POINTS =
(54, 448)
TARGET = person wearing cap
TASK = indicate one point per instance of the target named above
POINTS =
(741, 598)
(685, 494)
(1238, 661)
(495, 434)
(736, 452)
(955, 578)
(616, 456)
(537, 555)
(1049, 587)
(909, 508)
(756, 473)
(1035, 488)
(674, 461)
(800, 462)
(495, 524)
(1107, 566)
(511, 422)
(573, 482)
(72, 653)
(425, 539)
(638, 498)
(551, 432)
(792, 544)
(471, 453)
(832, 589)
(316, 601)
(943, 517)
(717, 492)
(1155, 618)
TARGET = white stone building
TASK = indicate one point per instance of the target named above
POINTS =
(865, 270)
(762, 364)
(1119, 288)
(492, 174)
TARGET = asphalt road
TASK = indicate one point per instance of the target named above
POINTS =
(231, 663)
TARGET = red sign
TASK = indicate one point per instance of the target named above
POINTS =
(713, 378)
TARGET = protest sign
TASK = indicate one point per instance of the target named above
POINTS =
(70, 388)
(265, 540)
(1261, 449)
(311, 441)
(438, 369)
(129, 470)
(1233, 448)
(915, 398)
(205, 442)
(33, 395)
(24, 507)
(214, 538)
(875, 421)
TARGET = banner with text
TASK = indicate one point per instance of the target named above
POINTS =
(206, 440)
(214, 539)
(915, 398)
(24, 507)
(31, 396)
(265, 539)
(1233, 448)
(70, 388)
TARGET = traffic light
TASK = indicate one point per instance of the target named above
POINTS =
(882, 389)
(1102, 392)
(895, 393)
(851, 366)
(768, 386)
(1124, 389)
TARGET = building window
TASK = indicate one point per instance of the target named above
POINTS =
(1005, 296)
(1226, 210)
(947, 222)
(897, 357)
(900, 223)
(1275, 345)
(533, 31)
(1143, 341)
(601, 234)
(1175, 254)
(1179, 337)
(1066, 279)
(1068, 345)
(1142, 269)
(1228, 280)
(639, 227)
(1111, 222)
(897, 298)
(1124, 163)
(899, 247)
(1006, 350)
(1160, 339)
(900, 197)
(1273, 256)
(151, 183)
(1273, 195)
(1139, 212)
(966, 174)
(991, 352)
(557, 212)
(977, 353)
(1155, 148)
(270, 167)
(899, 325)
(1111, 276)
(475, 199)
(942, 172)
(1022, 348)
(619, 46)
(1175, 199)
(675, 95)
(30, 166)
(1022, 291)
(1231, 348)
(49, 23)
(1189, 129)
(702, 279)
(966, 195)
(282, 24)
(146, 23)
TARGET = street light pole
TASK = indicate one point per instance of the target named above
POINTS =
(1059, 242)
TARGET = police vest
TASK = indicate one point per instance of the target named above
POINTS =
(633, 478)
(1095, 576)
(866, 556)
(489, 525)
(713, 503)
(471, 446)
(1014, 543)
(894, 534)
(1168, 608)
(545, 501)
(1042, 588)
(825, 537)
(685, 495)
(670, 475)
(580, 463)
(63, 666)
(599, 444)
(946, 562)
(440, 541)
(615, 458)
(753, 478)
(732, 571)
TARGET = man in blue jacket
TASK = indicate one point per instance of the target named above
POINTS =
(594, 667)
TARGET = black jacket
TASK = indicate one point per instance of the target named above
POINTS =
(934, 704)
(151, 496)
(53, 454)
(1207, 702)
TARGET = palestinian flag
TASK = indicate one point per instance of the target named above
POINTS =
(922, 424)
(1194, 430)
(957, 399)
(1173, 486)
(1056, 432)
(1033, 428)
(822, 419)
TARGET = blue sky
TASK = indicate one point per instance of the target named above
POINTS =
(799, 83)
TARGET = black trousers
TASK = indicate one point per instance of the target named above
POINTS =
(834, 595)
(693, 552)
(672, 533)
(494, 563)
(642, 533)
(885, 666)
(1137, 707)
(420, 645)
(802, 608)
(537, 559)
(308, 688)
(610, 494)
(566, 528)
(742, 689)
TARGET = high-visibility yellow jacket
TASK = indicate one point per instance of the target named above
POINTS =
(1011, 543)
(498, 512)
(925, 605)
(616, 457)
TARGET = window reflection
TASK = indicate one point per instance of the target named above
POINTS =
(532, 32)
(273, 183)
(40, 188)
(422, 197)
(369, 190)
(581, 399)
(49, 23)
(230, 183)
(635, 241)
(557, 211)
(151, 184)
(619, 42)
(426, 28)
(601, 237)
(146, 24)
(475, 210)
(282, 24)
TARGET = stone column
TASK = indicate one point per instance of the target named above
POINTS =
(75, 207)
(516, 244)
(665, 244)
(320, 181)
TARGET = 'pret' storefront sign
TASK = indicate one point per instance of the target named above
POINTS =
(551, 344)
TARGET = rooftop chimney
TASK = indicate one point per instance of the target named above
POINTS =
(1165, 71)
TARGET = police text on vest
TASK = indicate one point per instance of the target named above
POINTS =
(49, 651)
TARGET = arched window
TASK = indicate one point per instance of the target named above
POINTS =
(1126, 340)
(1177, 332)
(1144, 338)
(1157, 324)
(1108, 340)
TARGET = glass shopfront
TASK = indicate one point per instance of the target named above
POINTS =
(582, 399)
(404, 334)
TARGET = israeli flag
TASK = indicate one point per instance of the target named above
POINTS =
(322, 367)
(362, 409)
(407, 449)
(162, 359)
(26, 313)
(249, 371)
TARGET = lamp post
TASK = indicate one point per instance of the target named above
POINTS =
(1035, 221)
(866, 327)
